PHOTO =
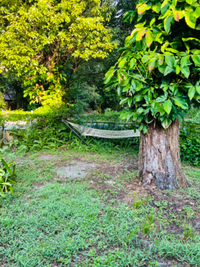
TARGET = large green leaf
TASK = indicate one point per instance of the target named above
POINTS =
(140, 34)
(122, 62)
(167, 106)
(166, 123)
(168, 70)
(123, 101)
(197, 12)
(132, 63)
(141, 8)
(156, 8)
(198, 89)
(135, 116)
(190, 19)
(167, 23)
(138, 98)
(170, 60)
(186, 71)
(161, 99)
(130, 101)
(191, 92)
(196, 59)
(184, 61)
(109, 75)
(180, 102)
(149, 38)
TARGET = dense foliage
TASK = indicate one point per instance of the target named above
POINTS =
(44, 43)
(7, 177)
(190, 142)
(157, 75)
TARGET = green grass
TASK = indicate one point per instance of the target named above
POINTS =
(85, 222)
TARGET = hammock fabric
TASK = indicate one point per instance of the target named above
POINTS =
(88, 131)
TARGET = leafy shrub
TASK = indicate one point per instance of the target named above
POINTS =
(7, 177)
(197, 118)
(190, 142)
(192, 113)
(46, 132)
(50, 132)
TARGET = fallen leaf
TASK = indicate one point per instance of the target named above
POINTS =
(183, 239)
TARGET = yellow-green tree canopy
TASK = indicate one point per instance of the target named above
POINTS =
(44, 42)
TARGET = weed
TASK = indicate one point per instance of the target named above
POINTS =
(188, 231)
(7, 177)
(189, 211)
(169, 193)
(137, 203)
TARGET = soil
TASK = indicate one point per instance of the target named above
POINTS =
(75, 170)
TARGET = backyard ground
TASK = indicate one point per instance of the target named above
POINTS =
(88, 209)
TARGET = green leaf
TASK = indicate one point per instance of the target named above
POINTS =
(167, 23)
(190, 19)
(161, 59)
(141, 8)
(166, 123)
(124, 82)
(156, 8)
(140, 128)
(168, 70)
(7, 167)
(140, 110)
(191, 92)
(135, 116)
(178, 69)
(126, 88)
(123, 101)
(152, 22)
(130, 101)
(167, 106)
(122, 62)
(170, 60)
(180, 102)
(197, 12)
(189, 1)
(145, 129)
(149, 38)
(161, 99)
(119, 90)
(198, 89)
(127, 15)
(171, 50)
(138, 98)
(174, 2)
(186, 71)
(152, 63)
(132, 63)
(109, 75)
(196, 59)
(184, 61)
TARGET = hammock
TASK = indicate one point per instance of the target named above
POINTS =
(88, 131)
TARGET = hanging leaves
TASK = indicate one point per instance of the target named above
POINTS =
(163, 62)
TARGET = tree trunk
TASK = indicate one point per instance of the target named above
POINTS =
(159, 157)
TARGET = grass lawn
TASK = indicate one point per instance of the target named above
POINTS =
(98, 217)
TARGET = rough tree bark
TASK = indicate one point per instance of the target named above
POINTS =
(159, 157)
